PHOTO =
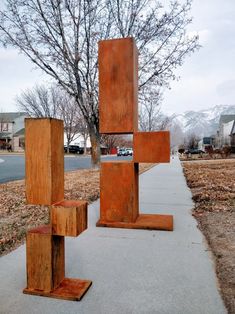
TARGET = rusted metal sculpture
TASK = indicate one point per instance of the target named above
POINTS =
(118, 106)
(45, 186)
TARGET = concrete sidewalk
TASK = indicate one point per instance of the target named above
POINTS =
(133, 271)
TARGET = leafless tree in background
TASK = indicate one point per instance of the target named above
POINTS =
(38, 102)
(52, 102)
(149, 109)
(69, 113)
(83, 131)
(191, 141)
(150, 116)
(60, 37)
(113, 141)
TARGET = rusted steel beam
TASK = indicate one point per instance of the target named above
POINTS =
(119, 187)
(44, 161)
(69, 218)
(151, 147)
(143, 221)
(118, 86)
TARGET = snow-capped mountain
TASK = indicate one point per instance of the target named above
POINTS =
(203, 122)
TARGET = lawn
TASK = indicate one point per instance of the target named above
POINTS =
(213, 187)
(16, 217)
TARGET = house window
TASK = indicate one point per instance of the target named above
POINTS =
(4, 127)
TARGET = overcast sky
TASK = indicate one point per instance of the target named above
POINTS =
(207, 77)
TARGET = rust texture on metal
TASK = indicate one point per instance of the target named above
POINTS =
(69, 218)
(118, 86)
(69, 289)
(118, 107)
(45, 186)
(152, 147)
(45, 259)
(143, 221)
(44, 161)
(119, 191)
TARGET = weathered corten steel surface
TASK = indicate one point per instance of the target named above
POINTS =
(69, 218)
(44, 159)
(45, 186)
(119, 187)
(69, 289)
(45, 259)
(151, 147)
(144, 221)
(118, 107)
(118, 86)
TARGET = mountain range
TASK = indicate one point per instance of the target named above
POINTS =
(203, 122)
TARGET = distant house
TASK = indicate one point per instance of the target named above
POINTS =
(80, 140)
(206, 142)
(12, 130)
(232, 135)
(225, 127)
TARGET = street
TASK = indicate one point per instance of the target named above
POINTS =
(12, 167)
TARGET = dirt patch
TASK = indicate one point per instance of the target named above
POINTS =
(213, 187)
(16, 217)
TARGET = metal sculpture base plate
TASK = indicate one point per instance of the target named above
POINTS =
(69, 289)
(143, 221)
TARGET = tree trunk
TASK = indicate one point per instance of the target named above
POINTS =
(68, 142)
(85, 144)
(95, 146)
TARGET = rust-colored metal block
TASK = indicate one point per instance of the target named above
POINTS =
(69, 218)
(45, 259)
(152, 147)
(118, 86)
(44, 157)
(119, 199)
(46, 267)
(69, 289)
(144, 221)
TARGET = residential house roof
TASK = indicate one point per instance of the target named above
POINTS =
(233, 128)
(11, 116)
(5, 135)
(225, 118)
(20, 132)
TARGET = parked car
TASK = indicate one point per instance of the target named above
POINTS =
(129, 151)
(194, 151)
(74, 149)
(122, 152)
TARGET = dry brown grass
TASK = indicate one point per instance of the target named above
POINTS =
(16, 217)
(213, 187)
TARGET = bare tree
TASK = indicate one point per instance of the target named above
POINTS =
(83, 130)
(60, 37)
(42, 101)
(152, 119)
(113, 141)
(38, 102)
(69, 113)
(160, 35)
(191, 141)
(149, 109)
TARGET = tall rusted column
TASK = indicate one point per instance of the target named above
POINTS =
(118, 86)
(44, 161)
(118, 107)
(45, 254)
